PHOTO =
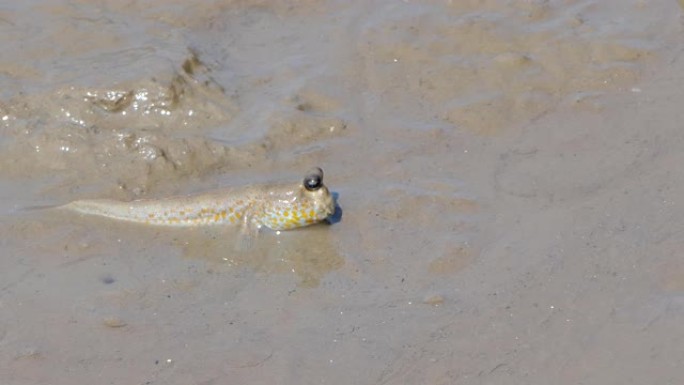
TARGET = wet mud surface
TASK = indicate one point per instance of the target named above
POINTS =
(506, 175)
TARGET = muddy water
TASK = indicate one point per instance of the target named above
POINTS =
(507, 176)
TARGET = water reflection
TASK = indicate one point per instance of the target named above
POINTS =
(337, 215)
(308, 253)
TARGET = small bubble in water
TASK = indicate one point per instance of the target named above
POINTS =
(114, 322)
(433, 299)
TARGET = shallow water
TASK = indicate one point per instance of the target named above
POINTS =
(506, 171)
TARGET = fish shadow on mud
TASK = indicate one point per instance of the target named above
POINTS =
(337, 215)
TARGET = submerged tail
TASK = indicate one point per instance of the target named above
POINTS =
(166, 212)
(109, 208)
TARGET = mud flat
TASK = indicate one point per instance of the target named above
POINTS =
(507, 174)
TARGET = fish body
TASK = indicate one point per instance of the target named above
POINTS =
(278, 207)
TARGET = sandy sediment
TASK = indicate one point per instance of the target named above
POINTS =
(506, 174)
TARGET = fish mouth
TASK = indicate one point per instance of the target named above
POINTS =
(331, 210)
(326, 213)
(331, 206)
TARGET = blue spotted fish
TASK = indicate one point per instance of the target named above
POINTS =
(278, 207)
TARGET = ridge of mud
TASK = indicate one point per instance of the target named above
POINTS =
(134, 132)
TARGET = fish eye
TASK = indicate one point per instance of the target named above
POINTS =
(314, 179)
